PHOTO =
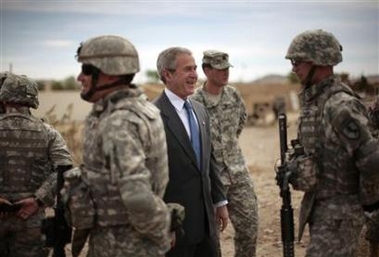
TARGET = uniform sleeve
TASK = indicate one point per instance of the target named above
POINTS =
(58, 156)
(122, 142)
(243, 114)
(350, 123)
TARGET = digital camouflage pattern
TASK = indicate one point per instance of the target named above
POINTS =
(374, 117)
(316, 46)
(216, 59)
(80, 210)
(125, 164)
(304, 173)
(227, 119)
(333, 128)
(30, 149)
(369, 237)
(113, 55)
(19, 89)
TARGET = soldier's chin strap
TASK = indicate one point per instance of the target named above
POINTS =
(95, 77)
(308, 80)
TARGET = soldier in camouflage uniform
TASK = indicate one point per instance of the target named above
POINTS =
(339, 168)
(371, 232)
(124, 155)
(30, 150)
(228, 117)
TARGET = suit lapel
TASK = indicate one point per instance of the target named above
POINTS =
(175, 125)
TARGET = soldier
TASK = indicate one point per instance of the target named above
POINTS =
(339, 167)
(228, 117)
(124, 155)
(371, 231)
(31, 151)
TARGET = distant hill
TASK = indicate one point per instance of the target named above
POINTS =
(272, 79)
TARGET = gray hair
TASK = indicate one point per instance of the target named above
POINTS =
(167, 60)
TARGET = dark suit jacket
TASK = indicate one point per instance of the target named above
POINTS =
(194, 189)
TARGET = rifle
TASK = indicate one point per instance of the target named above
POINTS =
(58, 232)
(282, 179)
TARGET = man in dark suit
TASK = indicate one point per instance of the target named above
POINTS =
(193, 180)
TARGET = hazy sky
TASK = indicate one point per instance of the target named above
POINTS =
(40, 38)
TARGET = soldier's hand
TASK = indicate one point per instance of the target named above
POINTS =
(29, 206)
(222, 217)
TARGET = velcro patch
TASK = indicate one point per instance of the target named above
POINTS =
(350, 129)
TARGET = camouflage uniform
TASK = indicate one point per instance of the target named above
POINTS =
(30, 149)
(124, 162)
(227, 119)
(371, 230)
(333, 129)
(126, 167)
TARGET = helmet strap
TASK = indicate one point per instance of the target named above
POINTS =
(87, 96)
(114, 84)
(308, 80)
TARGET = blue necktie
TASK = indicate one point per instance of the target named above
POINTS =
(194, 129)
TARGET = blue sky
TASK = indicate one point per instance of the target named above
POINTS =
(40, 38)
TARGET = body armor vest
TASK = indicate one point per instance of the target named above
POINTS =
(23, 156)
(335, 178)
(109, 207)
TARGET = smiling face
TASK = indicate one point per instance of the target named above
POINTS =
(90, 92)
(182, 80)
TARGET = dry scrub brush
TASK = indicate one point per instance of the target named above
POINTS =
(71, 131)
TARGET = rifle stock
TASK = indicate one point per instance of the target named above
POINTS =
(282, 178)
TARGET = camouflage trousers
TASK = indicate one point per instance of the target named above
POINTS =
(334, 237)
(120, 241)
(243, 213)
(19, 240)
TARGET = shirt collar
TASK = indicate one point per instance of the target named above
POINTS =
(175, 100)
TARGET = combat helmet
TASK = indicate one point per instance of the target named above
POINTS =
(316, 46)
(20, 90)
(113, 55)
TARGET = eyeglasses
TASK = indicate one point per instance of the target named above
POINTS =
(88, 69)
(295, 63)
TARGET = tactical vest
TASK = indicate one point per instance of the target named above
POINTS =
(109, 207)
(335, 179)
(24, 163)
